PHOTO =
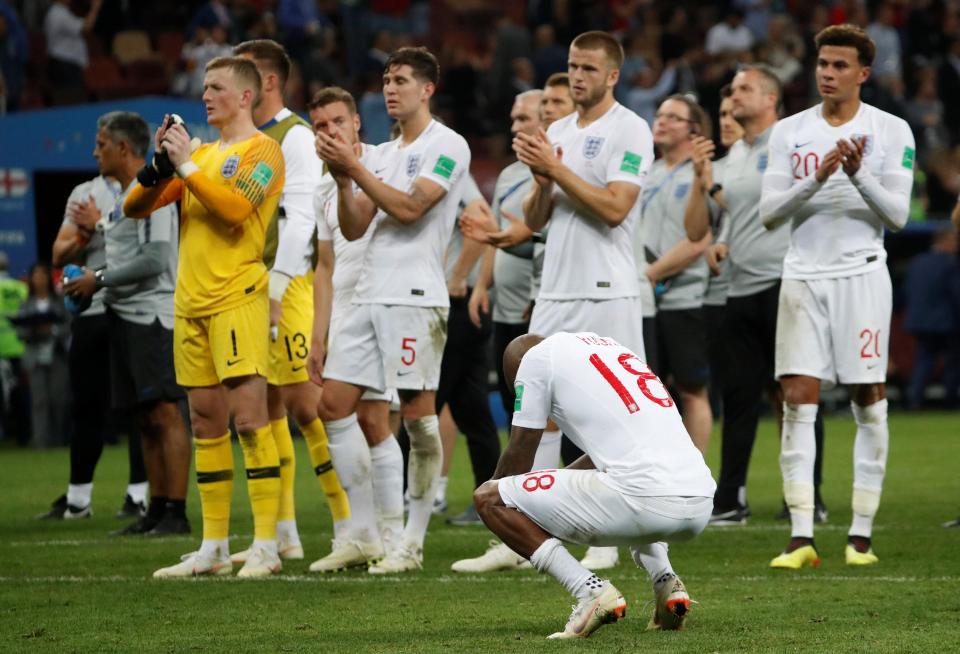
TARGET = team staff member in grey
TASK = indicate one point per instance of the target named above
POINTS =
(139, 280)
(676, 263)
(756, 265)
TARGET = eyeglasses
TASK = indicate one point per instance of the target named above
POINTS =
(672, 118)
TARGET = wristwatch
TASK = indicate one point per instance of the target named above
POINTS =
(716, 188)
(98, 278)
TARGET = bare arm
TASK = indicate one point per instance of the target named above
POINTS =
(538, 205)
(678, 258)
(955, 215)
(354, 212)
(517, 458)
(322, 308)
(69, 245)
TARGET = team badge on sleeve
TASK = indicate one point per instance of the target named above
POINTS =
(591, 146)
(230, 166)
(631, 163)
(444, 167)
(262, 174)
(909, 154)
(413, 164)
(518, 390)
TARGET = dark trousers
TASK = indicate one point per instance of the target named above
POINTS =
(503, 333)
(90, 384)
(463, 386)
(749, 335)
(713, 316)
(930, 346)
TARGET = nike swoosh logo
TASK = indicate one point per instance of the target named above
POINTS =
(377, 172)
(404, 373)
(873, 366)
(800, 145)
(230, 363)
(297, 368)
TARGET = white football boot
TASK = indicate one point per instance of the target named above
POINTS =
(404, 558)
(604, 606)
(345, 555)
(600, 558)
(673, 605)
(497, 557)
(195, 564)
(260, 564)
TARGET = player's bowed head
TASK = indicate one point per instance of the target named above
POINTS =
(514, 353)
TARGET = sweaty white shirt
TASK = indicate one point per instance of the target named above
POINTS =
(347, 255)
(835, 231)
(403, 264)
(585, 259)
(606, 400)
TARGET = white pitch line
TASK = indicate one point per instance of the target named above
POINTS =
(468, 579)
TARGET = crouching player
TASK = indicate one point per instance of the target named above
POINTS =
(229, 190)
(640, 483)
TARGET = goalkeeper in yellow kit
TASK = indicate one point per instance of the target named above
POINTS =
(229, 190)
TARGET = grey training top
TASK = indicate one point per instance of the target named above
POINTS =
(663, 203)
(513, 267)
(105, 194)
(471, 192)
(152, 298)
(756, 253)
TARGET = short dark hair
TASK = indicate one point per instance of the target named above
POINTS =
(848, 36)
(558, 79)
(268, 52)
(597, 40)
(421, 61)
(332, 94)
(695, 113)
(773, 82)
(127, 126)
(726, 91)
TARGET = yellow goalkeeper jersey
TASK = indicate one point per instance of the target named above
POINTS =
(221, 265)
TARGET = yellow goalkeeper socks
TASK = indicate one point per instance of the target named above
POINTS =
(316, 437)
(263, 480)
(215, 482)
(281, 436)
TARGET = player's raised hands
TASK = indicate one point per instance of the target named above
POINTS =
(84, 214)
(176, 142)
(828, 165)
(537, 153)
(336, 153)
(851, 152)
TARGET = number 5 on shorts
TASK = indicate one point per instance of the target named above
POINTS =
(407, 347)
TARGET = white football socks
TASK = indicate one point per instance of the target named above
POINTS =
(351, 460)
(869, 464)
(423, 471)
(138, 492)
(653, 558)
(548, 452)
(287, 532)
(80, 495)
(554, 559)
(387, 461)
(798, 450)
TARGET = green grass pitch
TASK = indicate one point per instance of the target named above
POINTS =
(68, 587)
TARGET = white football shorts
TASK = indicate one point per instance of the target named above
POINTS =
(620, 319)
(835, 329)
(385, 347)
(578, 506)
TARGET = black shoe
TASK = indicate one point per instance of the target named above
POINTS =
(138, 528)
(729, 517)
(57, 509)
(131, 509)
(170, 525)
(468, 517)
(952, 523)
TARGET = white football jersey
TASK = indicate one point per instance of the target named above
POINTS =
(608, 402)
(835, 233)
(584, 258)
(403, 264)
(347, 255)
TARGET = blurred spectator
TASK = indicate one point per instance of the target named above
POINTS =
(13, 293)
(209, 15)
(634, 62)
(205, 46)
(524, 76)
(381, 46)
(644, 98)
(14, 52)
(887, 67)
(756, 16)
(375, 122)
(730, 36)
(948, 81)
(67, 49)
(302, 27)
(548, 56)
(925, 114)
(784, 49)
(933, 316)
(42, 323)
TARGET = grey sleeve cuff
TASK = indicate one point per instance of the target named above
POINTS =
(149, 263)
